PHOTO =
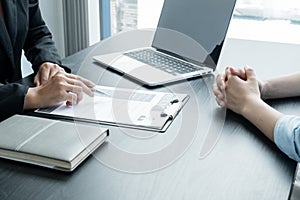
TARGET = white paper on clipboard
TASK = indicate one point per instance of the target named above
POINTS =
(140, 109)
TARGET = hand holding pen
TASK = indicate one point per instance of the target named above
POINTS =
(60, 87)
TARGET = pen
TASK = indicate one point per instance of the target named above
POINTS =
(95, 90)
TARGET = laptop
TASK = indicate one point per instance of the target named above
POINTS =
(187, 43)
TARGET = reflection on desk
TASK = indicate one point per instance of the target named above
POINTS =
(243, 164)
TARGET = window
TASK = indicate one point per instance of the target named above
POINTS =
(267, 20)
(269, 9)
(133, 14)
(252, 19)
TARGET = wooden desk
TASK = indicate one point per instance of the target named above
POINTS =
(242, 165)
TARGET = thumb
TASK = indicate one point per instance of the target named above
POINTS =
(238, 72)
(36, 80)
(250, 74)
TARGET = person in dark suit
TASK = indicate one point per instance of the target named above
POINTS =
(22, 28)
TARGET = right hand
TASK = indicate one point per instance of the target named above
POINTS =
(60, 87)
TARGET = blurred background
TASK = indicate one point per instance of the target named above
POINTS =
(77, 24)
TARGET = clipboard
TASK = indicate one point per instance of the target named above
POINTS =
(138, 109)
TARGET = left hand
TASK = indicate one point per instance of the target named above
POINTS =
(46, 71)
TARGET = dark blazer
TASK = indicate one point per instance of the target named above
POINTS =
(23, 29)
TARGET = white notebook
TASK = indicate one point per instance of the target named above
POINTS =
(49, 143)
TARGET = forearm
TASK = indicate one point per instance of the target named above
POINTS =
(262, 116)
(39, 46)
(280, 87)
(11, 99)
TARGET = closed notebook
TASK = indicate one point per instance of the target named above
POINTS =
(50, 143)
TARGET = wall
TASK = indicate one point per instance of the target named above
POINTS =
(52, 13)
(94, 21)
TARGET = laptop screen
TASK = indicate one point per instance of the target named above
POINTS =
(194, 29)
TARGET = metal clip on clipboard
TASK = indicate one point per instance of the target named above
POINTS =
(145, 110)
(172, 110)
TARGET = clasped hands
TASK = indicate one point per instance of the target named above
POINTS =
(54, 85)
(237, 88)
(234, 89)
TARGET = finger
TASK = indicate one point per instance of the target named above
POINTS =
(87, 82)
(79, 83)
(221, 81)
(43, 75)
(68, 103)
(36, 80)
(220, 95)
(75, 90)
(250, 73)
(215, 89)
(55, 69)
(85, 88)
(232, 79)
(217, 92)
(71, 99)
(238, 72)
(227, 72)
(229, 79)
(71, 81)
(221, 103)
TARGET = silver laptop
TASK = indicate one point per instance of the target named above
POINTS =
(187, 43)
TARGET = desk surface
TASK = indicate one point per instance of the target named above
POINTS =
(242, 165)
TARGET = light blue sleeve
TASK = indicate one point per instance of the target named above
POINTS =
(287, 136)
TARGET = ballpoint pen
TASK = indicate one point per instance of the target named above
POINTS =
(96, 90)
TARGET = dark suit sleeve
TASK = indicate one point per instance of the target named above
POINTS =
(39, 46)
(12, 99)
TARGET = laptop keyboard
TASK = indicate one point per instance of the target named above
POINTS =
(163, 62)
